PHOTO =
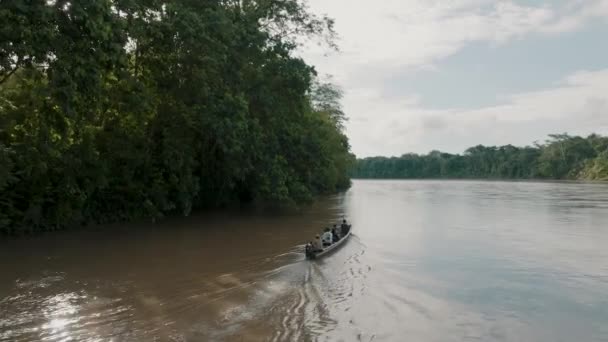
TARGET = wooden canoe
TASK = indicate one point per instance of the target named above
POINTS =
(331, 248)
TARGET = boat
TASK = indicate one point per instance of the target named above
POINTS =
(329, 249)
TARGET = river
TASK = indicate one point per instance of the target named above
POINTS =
(428, 261)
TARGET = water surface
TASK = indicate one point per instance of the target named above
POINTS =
(428, 261)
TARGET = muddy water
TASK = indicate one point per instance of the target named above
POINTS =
(428, 261)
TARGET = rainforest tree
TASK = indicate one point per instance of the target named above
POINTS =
(120, 109)
(561, 157)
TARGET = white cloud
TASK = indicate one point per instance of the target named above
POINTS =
(576, 14)
(387, 37)
(578, 105)
(416, 33)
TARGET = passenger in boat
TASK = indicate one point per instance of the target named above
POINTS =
(344, 227)
(327, 238)
(335, 234)
(309, 248)
(316, 244)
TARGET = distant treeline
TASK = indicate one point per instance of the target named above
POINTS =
(121, 109)
(561, 157)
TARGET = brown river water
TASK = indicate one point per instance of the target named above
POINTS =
(428, 261)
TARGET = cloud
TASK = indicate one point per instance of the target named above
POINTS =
(417, 33)
(382, 39)
(576, 13)
(579, 104)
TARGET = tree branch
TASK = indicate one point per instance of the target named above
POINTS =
(7, 76)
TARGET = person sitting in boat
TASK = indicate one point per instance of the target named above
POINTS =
(335, 234)
(327, 237)
(309, 248)
(316, 244)
(344, 227)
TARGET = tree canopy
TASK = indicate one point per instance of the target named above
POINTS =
(561, 157)
(120, 109)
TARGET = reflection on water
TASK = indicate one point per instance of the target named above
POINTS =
(428, 261)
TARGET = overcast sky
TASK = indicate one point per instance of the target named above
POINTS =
(420, 75)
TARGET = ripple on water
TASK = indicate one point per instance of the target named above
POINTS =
(432, 261)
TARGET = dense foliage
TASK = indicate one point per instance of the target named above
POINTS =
(120, 109)
(561, 157)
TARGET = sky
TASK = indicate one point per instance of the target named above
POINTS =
(423, 75)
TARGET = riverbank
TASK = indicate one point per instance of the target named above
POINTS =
(561, 157)
(234, 209)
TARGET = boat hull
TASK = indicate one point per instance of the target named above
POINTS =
(329, 249)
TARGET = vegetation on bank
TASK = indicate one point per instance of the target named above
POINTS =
(121, 109)
(561, 157)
